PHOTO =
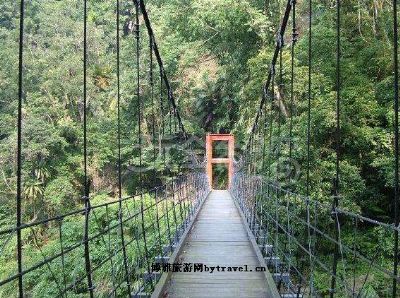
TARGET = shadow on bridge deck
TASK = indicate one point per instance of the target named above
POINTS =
(219, 237)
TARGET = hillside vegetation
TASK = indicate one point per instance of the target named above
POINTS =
(217, 55)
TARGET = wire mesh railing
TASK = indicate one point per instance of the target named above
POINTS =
(151, 222)
(104, 244)
(296, 234)
(320, 249)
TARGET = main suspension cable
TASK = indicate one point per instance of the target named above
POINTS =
(161, 65)
(272, 65)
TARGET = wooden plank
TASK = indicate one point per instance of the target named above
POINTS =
(218, 237)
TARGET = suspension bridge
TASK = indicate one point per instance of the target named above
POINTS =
(182, 238)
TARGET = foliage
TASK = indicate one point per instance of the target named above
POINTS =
(217, 55)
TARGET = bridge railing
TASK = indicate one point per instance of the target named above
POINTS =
(298, 237)
(104, 244)
(151, 224)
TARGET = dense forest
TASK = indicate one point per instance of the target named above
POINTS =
(217, 56)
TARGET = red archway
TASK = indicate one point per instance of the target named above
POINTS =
(210, 138)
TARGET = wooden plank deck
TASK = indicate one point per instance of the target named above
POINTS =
(219, 237)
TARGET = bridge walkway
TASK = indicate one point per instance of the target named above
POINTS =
(218, 237)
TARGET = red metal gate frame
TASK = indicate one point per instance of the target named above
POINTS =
(210, 138)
